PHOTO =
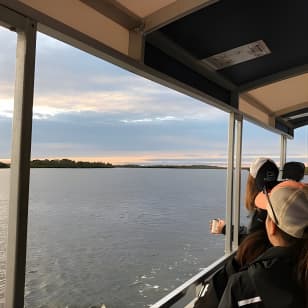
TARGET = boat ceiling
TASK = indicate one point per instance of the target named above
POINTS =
(250, 57)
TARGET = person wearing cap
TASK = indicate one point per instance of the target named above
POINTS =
(263, 172)
(253, 240)
(279, 277)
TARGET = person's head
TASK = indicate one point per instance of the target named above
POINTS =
(287, 209)
(293, 170)
(263, 172)
(287, 220)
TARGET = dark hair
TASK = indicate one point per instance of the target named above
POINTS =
(293, 170)
(253, 245)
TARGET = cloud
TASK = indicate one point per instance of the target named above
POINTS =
(97, 134)
(166, 118)
(87, 107)
(68, 79)
(102, 134)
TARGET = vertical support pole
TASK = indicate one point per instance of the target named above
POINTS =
(20, 166)
(136, 45)
(229, 196)
(283, 150)
(237, 183)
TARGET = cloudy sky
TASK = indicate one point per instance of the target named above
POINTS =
(86, 108)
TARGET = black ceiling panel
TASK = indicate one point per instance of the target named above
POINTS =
(184, 74)
(282, 25)
(300, 122)
(297, 118)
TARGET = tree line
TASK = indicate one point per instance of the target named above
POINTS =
(62, 163)
(67, 163)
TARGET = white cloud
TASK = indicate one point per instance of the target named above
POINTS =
(166, 118)
(134, 107)
(39, 112)
(156, 119)
(70, 80)
(6, 107)
(137, 121)
(172, 107)
(45, 112)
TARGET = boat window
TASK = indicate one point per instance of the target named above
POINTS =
(8, 41)
(257, 142)
(297, 148)
(122, 234)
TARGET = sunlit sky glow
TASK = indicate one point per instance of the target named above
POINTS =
(88, 109)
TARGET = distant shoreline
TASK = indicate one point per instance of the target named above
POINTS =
(67, 163)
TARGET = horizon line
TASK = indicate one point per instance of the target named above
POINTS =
(151, 159)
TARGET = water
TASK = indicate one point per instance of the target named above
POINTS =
(122, 237)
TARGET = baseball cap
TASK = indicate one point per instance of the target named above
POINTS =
(264, 171)
(287, 205)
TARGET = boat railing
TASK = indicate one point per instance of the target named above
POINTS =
(186, 294)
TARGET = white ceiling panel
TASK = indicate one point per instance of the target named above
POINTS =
(144, 8)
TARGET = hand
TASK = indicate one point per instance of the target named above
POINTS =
(219, 226)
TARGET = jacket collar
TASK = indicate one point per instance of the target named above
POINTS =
(276, 252)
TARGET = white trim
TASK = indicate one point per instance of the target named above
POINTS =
(249, 301)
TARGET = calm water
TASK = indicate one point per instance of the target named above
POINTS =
(122, 237)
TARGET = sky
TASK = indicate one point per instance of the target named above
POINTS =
(88, 109)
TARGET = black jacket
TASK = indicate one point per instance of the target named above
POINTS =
(213, 288)
(269, 282)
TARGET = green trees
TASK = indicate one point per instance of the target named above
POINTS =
(67, 163)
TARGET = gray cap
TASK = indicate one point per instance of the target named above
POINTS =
(289, 200)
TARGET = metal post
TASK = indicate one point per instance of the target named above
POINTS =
(20, 166)
(237, 183)
(136, 45)
(229, 195)
(283, 150)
